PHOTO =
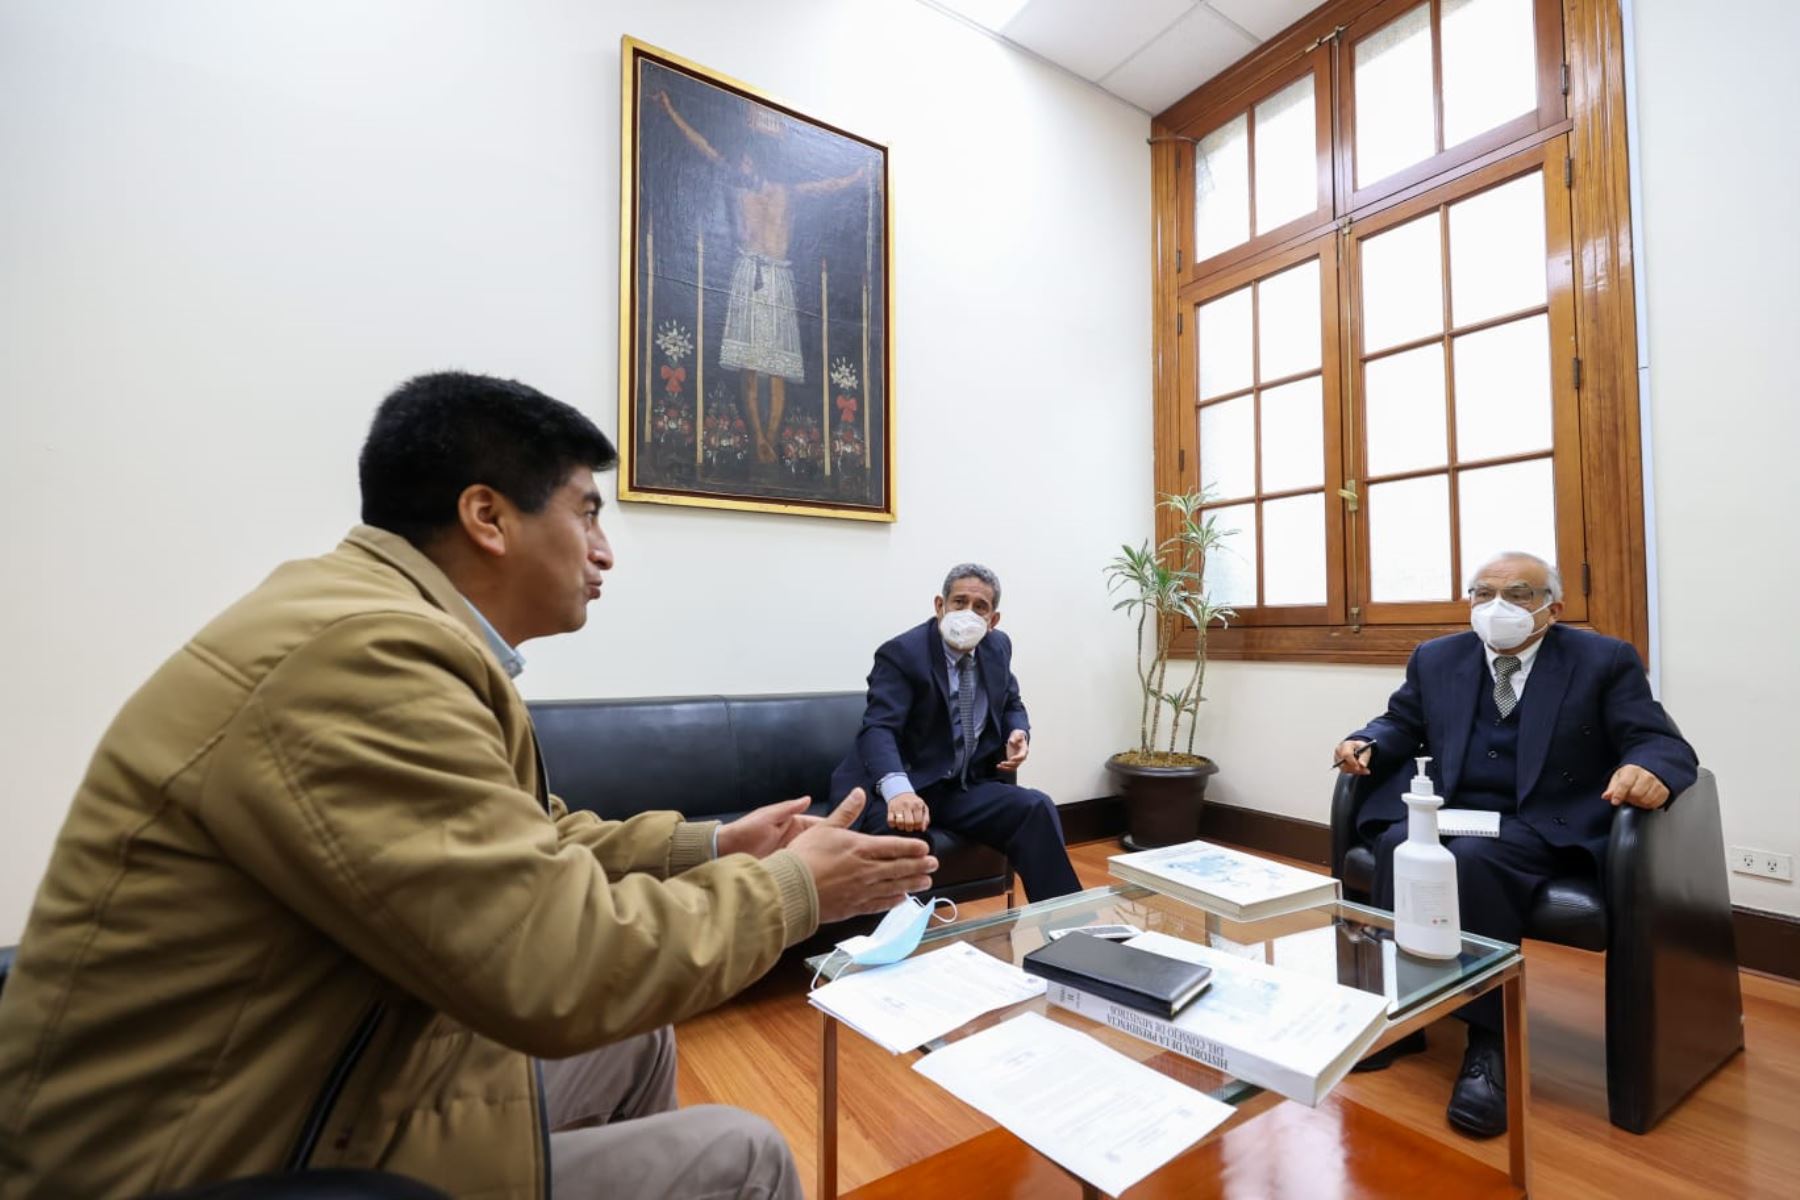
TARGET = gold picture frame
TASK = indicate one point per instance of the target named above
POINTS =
(761, 378)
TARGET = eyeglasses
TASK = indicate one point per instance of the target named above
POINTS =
(1518, 593)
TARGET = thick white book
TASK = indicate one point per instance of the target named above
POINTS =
(1231, 883)
(1279, 1030)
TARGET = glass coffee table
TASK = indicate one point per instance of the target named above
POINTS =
(1347, 943)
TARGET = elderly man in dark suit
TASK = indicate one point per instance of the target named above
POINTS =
(945, 732)
(1549, 726)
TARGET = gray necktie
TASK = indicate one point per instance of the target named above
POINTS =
(1505, 666)
(965, 702)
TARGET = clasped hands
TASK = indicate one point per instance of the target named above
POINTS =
(908, 812)
(1630, 784)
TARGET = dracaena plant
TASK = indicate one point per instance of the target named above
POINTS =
(1164, 588)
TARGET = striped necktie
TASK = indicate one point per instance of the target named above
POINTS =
(965, 703)
(1505, 667)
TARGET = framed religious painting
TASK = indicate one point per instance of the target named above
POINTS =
(755, 301)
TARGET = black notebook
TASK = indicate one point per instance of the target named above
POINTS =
(1148, 982)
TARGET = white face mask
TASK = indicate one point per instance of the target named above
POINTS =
(1503, 624)
(962, 629)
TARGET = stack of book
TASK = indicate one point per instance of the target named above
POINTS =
(1279, 1030)
(1228, 882)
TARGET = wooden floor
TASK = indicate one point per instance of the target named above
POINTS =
(1737, 1135)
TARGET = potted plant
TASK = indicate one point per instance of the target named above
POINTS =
(1163, 787)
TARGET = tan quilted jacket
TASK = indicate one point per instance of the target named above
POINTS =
(313, 904)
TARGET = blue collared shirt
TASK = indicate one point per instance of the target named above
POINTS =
(511, 661)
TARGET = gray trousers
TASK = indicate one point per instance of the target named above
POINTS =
(615, 1131)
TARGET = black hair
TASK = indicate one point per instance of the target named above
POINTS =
(439, 434)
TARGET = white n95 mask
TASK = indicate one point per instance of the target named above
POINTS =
(962, 629)
(1501, 623)
(896, 937)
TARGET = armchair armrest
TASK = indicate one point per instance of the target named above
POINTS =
(1345, 798)
(1673, 1006)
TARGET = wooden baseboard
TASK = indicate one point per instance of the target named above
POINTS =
(1766, 942)
(1092, 820)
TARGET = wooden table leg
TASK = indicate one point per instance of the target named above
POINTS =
(828, 1106)
(1518, 1082)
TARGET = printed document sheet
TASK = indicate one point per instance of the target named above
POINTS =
(1081, 1104)
(917, 1000)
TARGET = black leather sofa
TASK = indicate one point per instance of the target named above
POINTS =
(1663, 919)
(721, 756)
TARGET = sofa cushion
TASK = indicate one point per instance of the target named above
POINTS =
(703, 756)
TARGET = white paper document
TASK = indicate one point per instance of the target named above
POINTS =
(1468, 822)
(1086, 1107)
(917, 1000)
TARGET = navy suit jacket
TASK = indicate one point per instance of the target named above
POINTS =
(1586, 711)
(906, 725)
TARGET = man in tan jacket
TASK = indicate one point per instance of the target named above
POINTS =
(313, 904)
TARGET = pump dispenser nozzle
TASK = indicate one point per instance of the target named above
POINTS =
(1421, 784)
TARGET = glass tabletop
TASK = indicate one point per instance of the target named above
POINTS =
(1338, 942)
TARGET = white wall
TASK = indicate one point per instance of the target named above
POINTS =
(1716, 101)
(1722, 255)
(226, 229)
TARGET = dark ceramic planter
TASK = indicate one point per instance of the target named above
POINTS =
(1162, 804)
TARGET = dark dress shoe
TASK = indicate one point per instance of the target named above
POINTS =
(1478, 1102)
(1381, 1060)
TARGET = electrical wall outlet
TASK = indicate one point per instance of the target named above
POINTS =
(1767, 864)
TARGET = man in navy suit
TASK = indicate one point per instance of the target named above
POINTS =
(1551, 727)
(944, 734)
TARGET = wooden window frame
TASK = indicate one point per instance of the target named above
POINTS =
(1316, 63)
(1547, 26)
(1325, 248)
(1611, 573)
(1559, 308)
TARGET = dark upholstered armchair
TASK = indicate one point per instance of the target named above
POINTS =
(1673, 1009)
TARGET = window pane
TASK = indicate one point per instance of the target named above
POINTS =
(1293, 436)
(1229, 573)
(1287, 156)
(1289, 340)
(1402, 284)
(1394, 117)
(1222, 189)
(1403, 411)
(1228, 448)
(1490, 65)
(1294, 550)
(1409, 540)
(1503, 389)
(1497, 251)
(1507, 508)
(1224, 331)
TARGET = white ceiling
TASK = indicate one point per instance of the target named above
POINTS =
(1149, 53)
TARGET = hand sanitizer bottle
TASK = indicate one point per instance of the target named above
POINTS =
(1426, 916)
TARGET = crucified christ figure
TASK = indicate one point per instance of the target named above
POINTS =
(762, 326)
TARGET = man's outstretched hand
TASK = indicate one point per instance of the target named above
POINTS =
(856, 873)
(765, 830)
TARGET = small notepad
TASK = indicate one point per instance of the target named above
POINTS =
(1468, 822)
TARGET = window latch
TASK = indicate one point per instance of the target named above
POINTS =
(1348, 494)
